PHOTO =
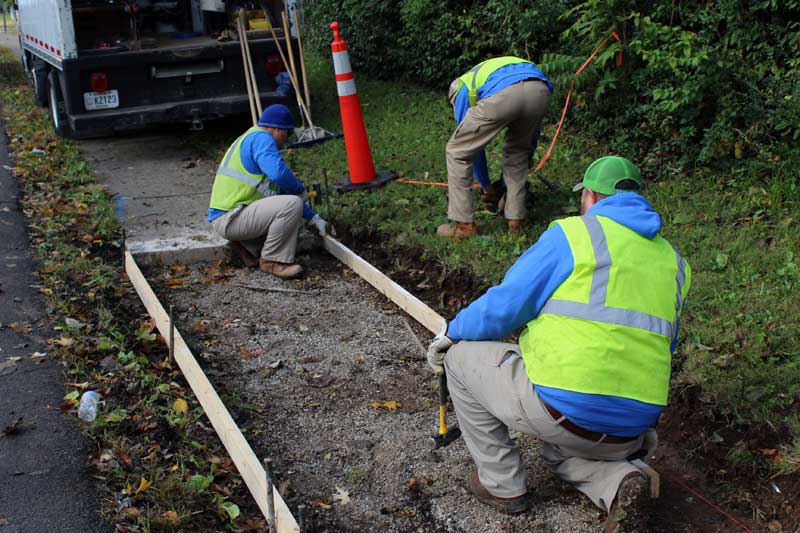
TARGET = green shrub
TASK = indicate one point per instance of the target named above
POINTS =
(433, 42)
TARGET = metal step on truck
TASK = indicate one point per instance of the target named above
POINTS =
(107, 66)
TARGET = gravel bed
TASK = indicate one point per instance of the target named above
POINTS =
(311, 379)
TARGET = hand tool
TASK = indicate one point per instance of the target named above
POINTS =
(240, 31)
(445, 436)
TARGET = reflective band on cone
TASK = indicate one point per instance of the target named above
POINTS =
(359, 156)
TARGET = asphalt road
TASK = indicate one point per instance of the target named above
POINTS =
(45, 484)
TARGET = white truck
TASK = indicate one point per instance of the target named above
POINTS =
(105, 66)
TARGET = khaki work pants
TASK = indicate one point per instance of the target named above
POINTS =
(267, 228)
(520, 108)
(492, 393)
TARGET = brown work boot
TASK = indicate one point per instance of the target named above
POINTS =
(629, 512)
(514, 225)
(248, 259)
(516, 505)
(462, 230)
(281, 270)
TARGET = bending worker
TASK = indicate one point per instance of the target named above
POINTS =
(504, 92)
(600, 296)
(257, 202)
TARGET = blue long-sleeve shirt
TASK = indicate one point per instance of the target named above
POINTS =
(260, 155)
(496, 82)
(525, 289)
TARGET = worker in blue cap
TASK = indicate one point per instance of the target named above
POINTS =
(257, 203)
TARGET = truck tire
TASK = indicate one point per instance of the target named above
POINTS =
(58, 114)
(39, 77)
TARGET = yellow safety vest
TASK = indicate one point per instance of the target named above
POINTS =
(477, 76)
(608, 327)
(234, 185)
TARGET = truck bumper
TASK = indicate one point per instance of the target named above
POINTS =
(105, 122)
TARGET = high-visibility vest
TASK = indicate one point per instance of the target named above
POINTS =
(607, 329)
(477, 76)
(234, 185)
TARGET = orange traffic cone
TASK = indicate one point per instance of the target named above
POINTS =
(359, 157)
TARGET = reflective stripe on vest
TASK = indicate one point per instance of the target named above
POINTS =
(609, 327)
(262, 184)
(597, 311)
(477, 75)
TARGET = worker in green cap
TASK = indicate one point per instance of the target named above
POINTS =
(598, 299)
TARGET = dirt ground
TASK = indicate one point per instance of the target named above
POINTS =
(310, 377)
(304, 371)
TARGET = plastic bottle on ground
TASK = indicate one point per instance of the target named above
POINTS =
(87, 409)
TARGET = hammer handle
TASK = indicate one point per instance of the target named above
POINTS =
(442, 389)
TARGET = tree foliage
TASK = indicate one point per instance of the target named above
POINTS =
(701, 81)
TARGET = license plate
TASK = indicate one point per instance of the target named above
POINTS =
(104, 100)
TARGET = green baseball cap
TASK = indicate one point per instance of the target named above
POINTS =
(605, 173)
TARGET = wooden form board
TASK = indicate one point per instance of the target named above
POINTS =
(404, 299)
(240, 451)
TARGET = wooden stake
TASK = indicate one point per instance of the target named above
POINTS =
(171, 338)
(241, 453)
(270, 499)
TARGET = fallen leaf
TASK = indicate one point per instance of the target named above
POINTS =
(8, 366)
(200, 325)
(321, 504)
(232, 509)
(390, 405)
(412, 484)
(12, 428)
(130, 513)
(143, 486)
(38, 356)
(249, 354)
(170, 518)
(64, 341)
(180, 406)
(341, 496)
(21, 327)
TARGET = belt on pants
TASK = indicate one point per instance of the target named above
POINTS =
(593, 436)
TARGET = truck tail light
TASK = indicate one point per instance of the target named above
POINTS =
(99, 82)
(274, 65)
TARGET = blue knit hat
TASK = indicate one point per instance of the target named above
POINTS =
(277, 116)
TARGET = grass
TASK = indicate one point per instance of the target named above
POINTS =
(149, 451)
(740, 350)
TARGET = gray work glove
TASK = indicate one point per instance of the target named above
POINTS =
(319, 224)
(438, 349)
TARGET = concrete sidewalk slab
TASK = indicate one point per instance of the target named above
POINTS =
(161, 192)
